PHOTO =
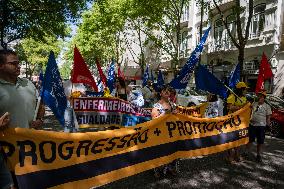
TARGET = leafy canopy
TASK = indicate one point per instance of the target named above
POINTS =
(35, 19)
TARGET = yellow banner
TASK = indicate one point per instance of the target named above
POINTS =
(46, 159)
(196, 111)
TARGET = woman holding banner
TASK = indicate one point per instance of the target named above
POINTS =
(163, 106)
(122, 91)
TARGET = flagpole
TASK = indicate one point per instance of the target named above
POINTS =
(233, 93)
(38, 101)
(37, 108)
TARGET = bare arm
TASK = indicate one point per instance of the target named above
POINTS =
(39, 120)
(268, 119)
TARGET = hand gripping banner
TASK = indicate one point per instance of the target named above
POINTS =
(47, 159)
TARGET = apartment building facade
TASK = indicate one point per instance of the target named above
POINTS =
(220, 55)
(264, 36)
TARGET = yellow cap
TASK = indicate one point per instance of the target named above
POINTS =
(262, 92)
(241, 85)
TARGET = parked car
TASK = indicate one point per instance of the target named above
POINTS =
(276, 127)
(186, 96)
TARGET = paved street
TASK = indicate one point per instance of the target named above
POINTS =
(211, 171)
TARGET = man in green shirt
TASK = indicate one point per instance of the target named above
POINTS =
(17, 104)
(17, 95)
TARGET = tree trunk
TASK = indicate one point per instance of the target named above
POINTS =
(201, 24)
(117, 49)
(241, 58)
(4, 23)
(178, 43)
(142, 56)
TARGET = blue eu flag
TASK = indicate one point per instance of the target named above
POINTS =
(111, 77)
(181, 81)
(206, 81)
(145, 76)
(53, 93)
(235, 76)
(160, 80)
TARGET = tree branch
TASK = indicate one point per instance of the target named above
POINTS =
(175, 7)
(249, 21)
(226, 25)
(130, 49)
(239, 24)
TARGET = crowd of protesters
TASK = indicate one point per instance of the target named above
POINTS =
(162, 100)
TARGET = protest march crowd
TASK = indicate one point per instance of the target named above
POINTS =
(23, 105)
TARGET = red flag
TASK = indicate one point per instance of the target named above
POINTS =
(120, 73)
(102, 75)
(265, 73)
(80, 72)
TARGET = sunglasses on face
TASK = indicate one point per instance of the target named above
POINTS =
(14, 63)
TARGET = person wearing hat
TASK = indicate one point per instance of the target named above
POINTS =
(260, 118)
(235, 102)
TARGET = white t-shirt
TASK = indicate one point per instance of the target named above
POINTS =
(259, 113)
(147, 93)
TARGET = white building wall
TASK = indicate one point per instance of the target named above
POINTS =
(225, 52)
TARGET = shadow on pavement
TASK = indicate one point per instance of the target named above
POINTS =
(213, 172)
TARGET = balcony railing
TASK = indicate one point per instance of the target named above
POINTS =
(220, 3)
(220, 45)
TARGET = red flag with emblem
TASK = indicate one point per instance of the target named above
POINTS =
(265, 73)
(80, 72)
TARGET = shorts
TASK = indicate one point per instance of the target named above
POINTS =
(257, 132)
(6, 180)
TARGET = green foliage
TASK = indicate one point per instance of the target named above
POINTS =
(36, 19)
(164, 16)
(65, 70)
(35, 53)
(67, 52)
(105, 29)
(97, 34)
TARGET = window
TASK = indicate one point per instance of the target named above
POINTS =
(185, 14)
(184, 43)
(270, 20)
(231, 22)
(218, 31)
(258, 20)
